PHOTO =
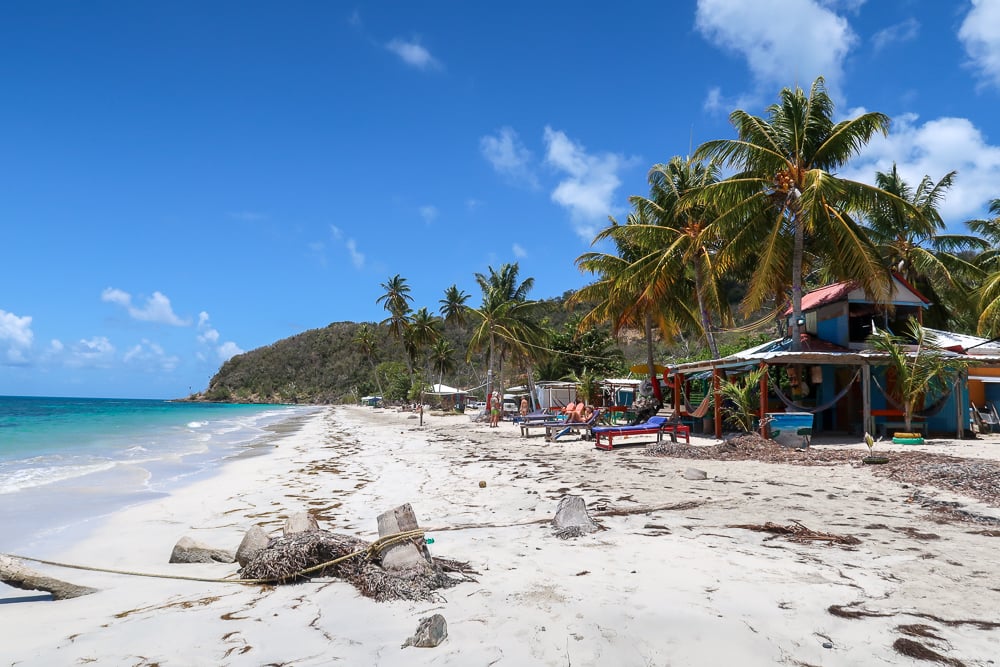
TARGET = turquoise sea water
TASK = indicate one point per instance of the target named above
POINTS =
(65, 462)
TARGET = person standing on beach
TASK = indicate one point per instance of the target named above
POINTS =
(524, 407)
(495, 408)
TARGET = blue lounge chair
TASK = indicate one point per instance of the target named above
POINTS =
(653, 426)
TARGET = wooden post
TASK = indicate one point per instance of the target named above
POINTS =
(763, 401)
(960, 406)
(677, 394)
(717, 401)
(408, 553)
(867, 424)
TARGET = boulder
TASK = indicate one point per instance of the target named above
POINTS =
(188, 551)
(430, 632)
(695, 474)
(300, 522)
(572, 519)
(255, 540)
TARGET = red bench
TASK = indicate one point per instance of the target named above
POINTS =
(609, 433)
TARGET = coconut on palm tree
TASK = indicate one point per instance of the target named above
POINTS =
(786, 197)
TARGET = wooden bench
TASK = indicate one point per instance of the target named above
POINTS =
(612, 432)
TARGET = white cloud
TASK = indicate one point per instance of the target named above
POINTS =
(784, 42)
(935, 148)
(980, 33)
(151, 357)
(904, 31)
(157, 308)
(472, 204)
(357, 258)
(16, 335)
(589, 181)
(228, 350)
(210, 336)
(519, 251)
(97, 351)
(509, 156)
(429, 213)
(336, 233)
(413, 54)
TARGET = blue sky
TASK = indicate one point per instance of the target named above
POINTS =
(183, 181)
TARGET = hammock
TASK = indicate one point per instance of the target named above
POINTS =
(927, 411)
(702, 408)
(819, 408)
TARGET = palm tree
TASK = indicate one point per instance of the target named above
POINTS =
(926, 371)
(620, 295)
(422, 330)
(680, 238)
(911, 244)
(785, 194)
(453, 309)
(367, 343)
(396, 300)
(503, 320)
(989, 262)
(442, 356)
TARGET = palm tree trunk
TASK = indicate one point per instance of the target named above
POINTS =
(797, 249)
(706, 320)
(648, 322)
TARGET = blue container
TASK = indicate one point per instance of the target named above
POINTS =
(791, 429)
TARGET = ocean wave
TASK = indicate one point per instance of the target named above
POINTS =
(196, 424)
(26, 478)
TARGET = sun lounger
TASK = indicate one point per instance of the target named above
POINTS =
(653, 426)
(555, 430)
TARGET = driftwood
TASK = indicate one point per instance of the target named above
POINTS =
(799, 533)
(13, 573)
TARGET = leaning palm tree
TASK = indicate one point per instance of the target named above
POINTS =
(921, 367)
(785, 193)
(396, 300)
(913, 245)
(504, 319)
(620, 295)
(681, 239)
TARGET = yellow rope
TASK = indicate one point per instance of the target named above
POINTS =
(371, 550)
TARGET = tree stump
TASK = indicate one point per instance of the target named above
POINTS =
(13, 573)
(407, 554)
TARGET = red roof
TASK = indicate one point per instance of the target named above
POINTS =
(839, 291)
(824, 295)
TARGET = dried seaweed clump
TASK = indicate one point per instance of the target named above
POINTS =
(285, 558)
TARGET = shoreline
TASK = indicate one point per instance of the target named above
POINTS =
(656, 586)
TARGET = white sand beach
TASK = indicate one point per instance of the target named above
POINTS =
(669, 581)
